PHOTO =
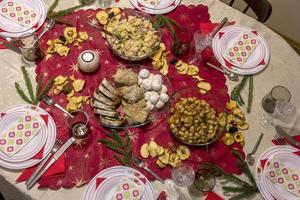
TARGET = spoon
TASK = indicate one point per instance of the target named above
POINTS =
(230, 75)
(102, 29)
(140, 164)
(251, 155)
(50, 101)
(47, 28)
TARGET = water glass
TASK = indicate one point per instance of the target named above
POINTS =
(204, 183)
(105, 3)
(277, 93)
(183, 175)
(30, 52)
(201, 40)
(78, 123)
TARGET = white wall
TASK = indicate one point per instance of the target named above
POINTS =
(284, 19)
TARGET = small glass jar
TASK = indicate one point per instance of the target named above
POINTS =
(277, 93)
(30, 52)
(78, 124)
(204, 183)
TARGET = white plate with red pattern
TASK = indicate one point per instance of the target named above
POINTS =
(50, 135)
(108, 173)
(256, 62)
(290, 160)
(32, 147)
(152, 5)
(259, 171)
(9, 28)
(163, 7)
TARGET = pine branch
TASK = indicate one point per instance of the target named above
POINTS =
(28, 84)
(22, 94)
(60, 20)
(53, 6)
(38, 86)
(65, 12)
(236, 92)
(120, 160)
(250, 94)
(243, 195)
(45, 90)
(111, 145)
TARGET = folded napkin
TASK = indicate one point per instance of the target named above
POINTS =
(2, 40)
(296, 137)
(288, 178)
(129, 189)
(18, 13)
(57, 168)
(242, 48)
(213, 196)
(20, 133)
(207, 27)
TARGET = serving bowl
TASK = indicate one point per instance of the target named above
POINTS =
(123, 16)
(214, 102)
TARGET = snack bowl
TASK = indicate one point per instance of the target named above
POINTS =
(114, 23)
(155, 115)
(184, 113)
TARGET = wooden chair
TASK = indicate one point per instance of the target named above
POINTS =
(261, 8)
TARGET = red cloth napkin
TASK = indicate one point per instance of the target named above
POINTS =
(57, 168)
(209, 27)
(213, 196)
(296, 137)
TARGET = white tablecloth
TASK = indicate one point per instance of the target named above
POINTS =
(283, 69)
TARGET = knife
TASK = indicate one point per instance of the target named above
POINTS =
(55, 157)
(11, 47)
(289, 138)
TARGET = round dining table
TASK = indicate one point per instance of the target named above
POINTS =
(283, 69)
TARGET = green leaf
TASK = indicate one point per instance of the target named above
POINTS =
(28, 84)
(66, 11)
(45, 89)
(250, 94)
(22, 94)
(53, 6)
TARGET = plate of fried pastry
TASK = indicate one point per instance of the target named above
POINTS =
(131, 96)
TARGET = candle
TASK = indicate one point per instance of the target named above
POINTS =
(88, 61)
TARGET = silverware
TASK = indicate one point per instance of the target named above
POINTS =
(56, 146)
(286, 136)
(12, 47)
(49, 26)
(251, 155)
(101, 29)
(279, 140)
(219, 26)
(55, 157)
(139, 163)
(230, 75)
(50, 101)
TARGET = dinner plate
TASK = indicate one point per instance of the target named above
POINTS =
(107, 188)
(50, 140)
(32, 147)
(259, 172)
(163, 4)
(142, 8)
(11, 26)
(115, 171)
(256, 62)
(14, 30)
(290, 160)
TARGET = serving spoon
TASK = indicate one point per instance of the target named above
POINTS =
(50, 101)
(230, 75)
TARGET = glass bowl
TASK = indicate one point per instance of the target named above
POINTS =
(156, 115)
(124, 15)
(212, 100)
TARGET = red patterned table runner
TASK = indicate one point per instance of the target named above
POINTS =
(84, 161)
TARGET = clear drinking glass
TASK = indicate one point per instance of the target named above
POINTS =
(183, 175)
(202, 40)
(105, 3)
(277, 93)
(30, 52)
(204, 183)
(78, 123)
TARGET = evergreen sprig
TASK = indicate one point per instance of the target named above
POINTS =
(236, 92)
(32, 97)
(122, 146)
(242, 189)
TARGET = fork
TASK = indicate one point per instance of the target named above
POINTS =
(279, 140)
(56, 146)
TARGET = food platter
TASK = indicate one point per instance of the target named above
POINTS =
(124, 99)
(208, 108)
(137, 44)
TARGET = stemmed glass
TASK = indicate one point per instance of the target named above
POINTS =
(204, 183)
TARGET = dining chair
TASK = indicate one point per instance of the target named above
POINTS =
(261, 8)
